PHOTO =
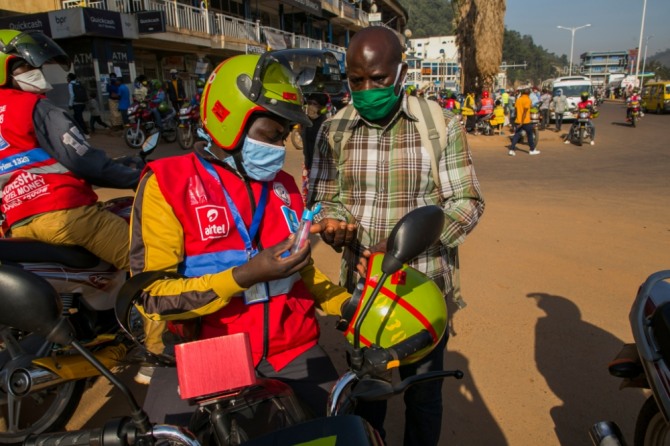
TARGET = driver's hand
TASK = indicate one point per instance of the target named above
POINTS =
(336, 233)
(270, 265)
(362, 266)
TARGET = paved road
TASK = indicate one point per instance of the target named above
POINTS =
(549, 276)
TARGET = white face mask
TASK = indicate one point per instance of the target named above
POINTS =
(33, 81)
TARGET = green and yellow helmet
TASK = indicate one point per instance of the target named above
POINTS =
(33, 47)
(408, 303)
(247, 84)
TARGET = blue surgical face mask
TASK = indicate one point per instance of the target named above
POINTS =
(261, 160)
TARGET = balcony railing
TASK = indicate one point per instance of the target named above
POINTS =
(193, 19)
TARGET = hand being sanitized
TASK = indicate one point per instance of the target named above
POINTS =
(302, 234)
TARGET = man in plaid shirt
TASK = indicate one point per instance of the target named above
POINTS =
(380, 174)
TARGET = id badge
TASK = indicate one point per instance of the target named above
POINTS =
(257, 293)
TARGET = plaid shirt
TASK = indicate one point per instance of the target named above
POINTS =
(383, 173)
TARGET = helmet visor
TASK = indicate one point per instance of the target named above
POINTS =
(37, 49)
(280, 74)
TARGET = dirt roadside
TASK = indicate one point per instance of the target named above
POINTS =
(549, 276)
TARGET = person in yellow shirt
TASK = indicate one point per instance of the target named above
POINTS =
(498, 117)
(468, 111)
(522, 107)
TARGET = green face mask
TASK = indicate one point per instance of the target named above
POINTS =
(376, 103)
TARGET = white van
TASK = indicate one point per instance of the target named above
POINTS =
(572, 87)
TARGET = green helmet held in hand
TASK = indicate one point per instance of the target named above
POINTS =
(408, 303)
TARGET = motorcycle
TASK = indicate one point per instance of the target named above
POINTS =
(646, 364)
(581, 128)
(276, 416)
(142, 124)
(633, 112)
(41, 382)
(189, 122)
(535, 120)
(483, 124)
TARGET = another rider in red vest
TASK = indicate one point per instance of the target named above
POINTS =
(47, 166)
(223, 217)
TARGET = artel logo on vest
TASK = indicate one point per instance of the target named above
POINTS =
(213, 222)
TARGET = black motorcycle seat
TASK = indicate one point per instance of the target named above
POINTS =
(25, 250)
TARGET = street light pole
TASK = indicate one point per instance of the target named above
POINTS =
(572, 44)
(639, 47)
(644, 61)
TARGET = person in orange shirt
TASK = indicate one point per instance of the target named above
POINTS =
(522, 106)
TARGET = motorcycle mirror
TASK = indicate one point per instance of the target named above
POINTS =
(150, 143)
(413, 234)
(30, 303)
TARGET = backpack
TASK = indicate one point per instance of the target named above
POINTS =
(80, 93)
(431, 126)
(432, 129)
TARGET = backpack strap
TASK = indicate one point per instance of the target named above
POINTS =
(432, 129)
(341, 134)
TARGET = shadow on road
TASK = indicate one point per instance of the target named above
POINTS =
(572, 355)
(467, 419)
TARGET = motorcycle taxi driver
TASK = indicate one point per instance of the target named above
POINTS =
(47, 166)
(221, 217)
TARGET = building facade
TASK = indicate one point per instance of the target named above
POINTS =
(433, 63)
(151, 37)
(600, 65)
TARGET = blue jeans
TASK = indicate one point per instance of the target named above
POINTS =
(423, 402)
(158, 120)
(529, 134)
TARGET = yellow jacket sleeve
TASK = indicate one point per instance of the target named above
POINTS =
(156, 244)
(328, 296)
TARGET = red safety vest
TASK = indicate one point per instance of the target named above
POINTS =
(26, 189)
(487, 106)
(199, 204)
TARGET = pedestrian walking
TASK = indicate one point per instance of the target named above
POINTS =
(560, 105)
(94, 110)
(522, 106)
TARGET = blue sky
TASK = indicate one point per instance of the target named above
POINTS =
(615, 24)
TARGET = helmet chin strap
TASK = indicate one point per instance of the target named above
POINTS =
(237, 157)
(235, 153)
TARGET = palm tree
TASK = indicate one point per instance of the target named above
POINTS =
(480, 26)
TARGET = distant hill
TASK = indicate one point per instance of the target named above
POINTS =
(662, 57)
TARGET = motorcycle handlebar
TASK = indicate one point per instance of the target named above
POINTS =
(119, 432)
(74, 438)
(411, 345)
